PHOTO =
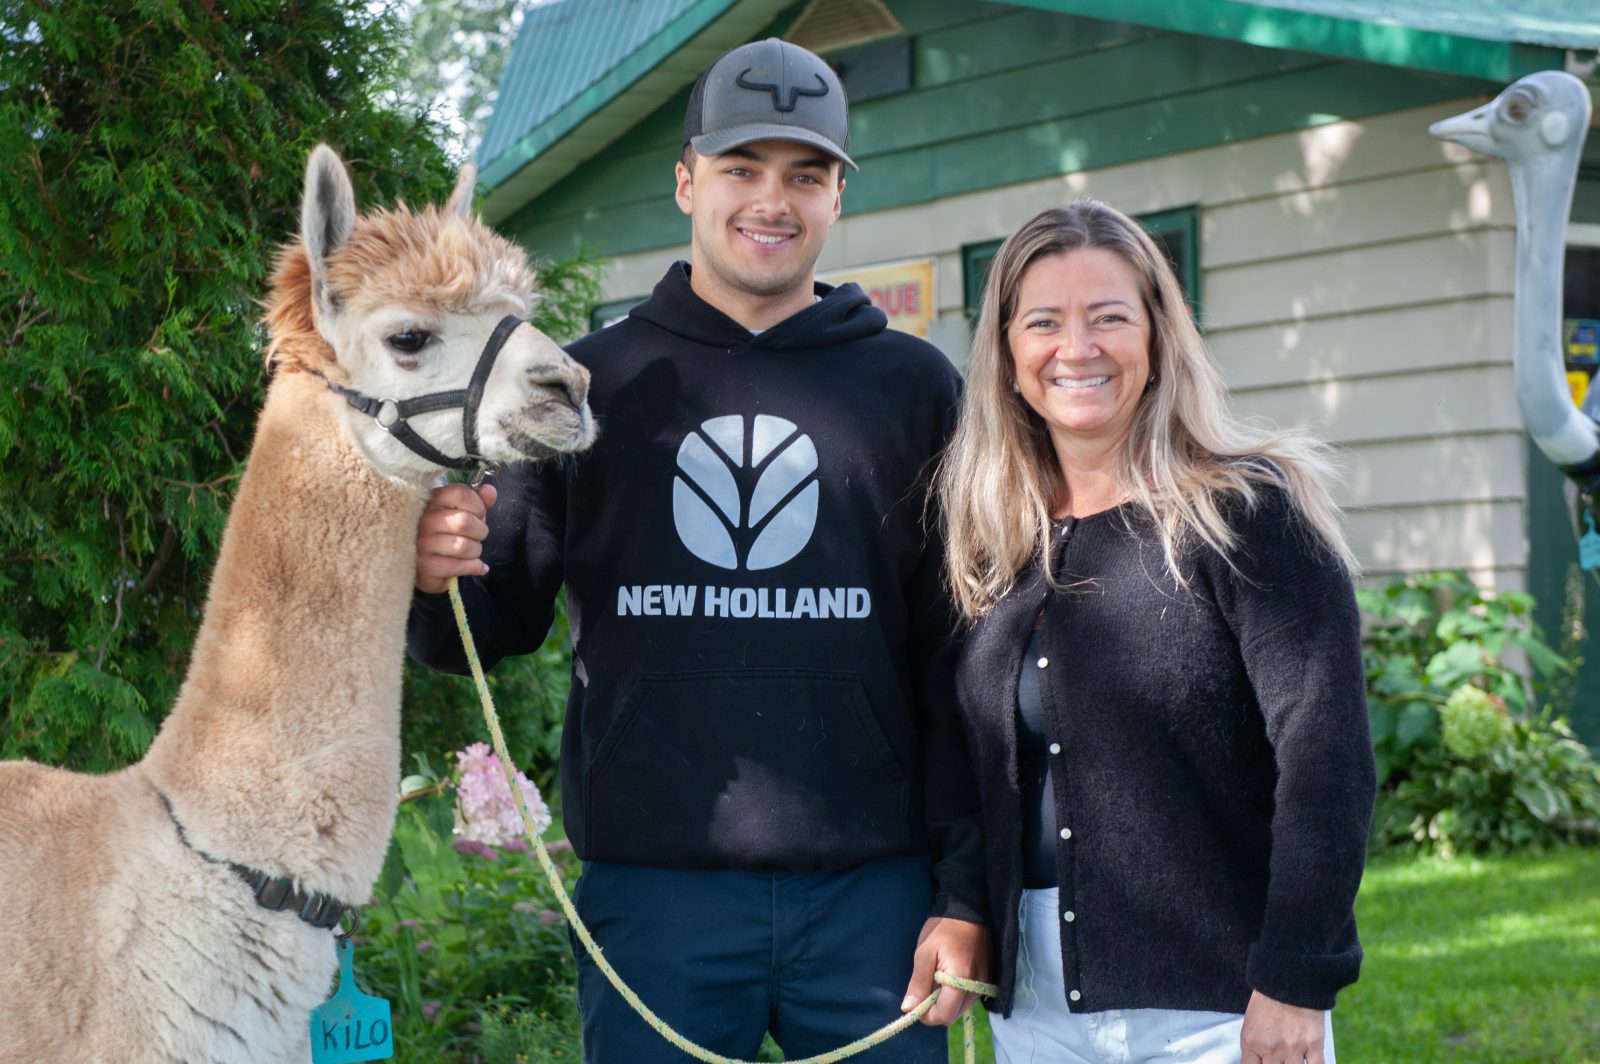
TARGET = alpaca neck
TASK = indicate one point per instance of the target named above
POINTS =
(1542, 188)
(282, 751)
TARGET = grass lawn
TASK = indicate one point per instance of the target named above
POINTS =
(1470, 961)
(1482, 960)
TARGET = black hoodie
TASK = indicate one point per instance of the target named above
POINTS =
(762, 660)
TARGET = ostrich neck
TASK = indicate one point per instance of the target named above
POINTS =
(1542, 189)
(283, 747)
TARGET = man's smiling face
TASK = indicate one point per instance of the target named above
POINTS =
(760, 214)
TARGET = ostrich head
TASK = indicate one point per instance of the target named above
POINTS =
(1543, 114)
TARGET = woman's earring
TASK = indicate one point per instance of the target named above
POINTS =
(1015, 386)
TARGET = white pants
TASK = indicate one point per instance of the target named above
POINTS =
(1042, 1030)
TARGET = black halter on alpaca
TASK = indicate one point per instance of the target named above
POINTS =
(392, 414)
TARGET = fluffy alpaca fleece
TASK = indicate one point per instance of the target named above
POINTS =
(117, 941)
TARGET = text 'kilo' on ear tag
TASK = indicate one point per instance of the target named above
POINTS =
(350, 1026)
(1589, 545)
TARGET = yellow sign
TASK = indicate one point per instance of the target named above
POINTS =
(902, 290)
(1578, 381)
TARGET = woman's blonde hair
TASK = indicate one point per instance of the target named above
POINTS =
(1185, 455)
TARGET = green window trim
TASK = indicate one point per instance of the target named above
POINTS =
(1176, 232)
(612, 312)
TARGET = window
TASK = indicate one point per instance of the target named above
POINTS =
(612, 312)
(1176, 233)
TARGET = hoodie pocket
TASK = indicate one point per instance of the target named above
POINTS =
(754, 768)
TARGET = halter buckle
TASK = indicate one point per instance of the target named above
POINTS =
(388, 414)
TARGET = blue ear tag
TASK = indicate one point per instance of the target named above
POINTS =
(1589, 545)
(350, 1026)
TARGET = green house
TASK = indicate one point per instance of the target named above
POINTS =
(1352, 274)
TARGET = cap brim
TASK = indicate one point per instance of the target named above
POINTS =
(727, 139)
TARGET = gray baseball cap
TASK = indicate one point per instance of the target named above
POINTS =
(768, 90)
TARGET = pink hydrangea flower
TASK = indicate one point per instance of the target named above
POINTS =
(485, 810)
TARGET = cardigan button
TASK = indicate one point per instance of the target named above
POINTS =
(1073, 995)
(1066, 833)
(1055, 748)
(1069, 916)
(1043, 662)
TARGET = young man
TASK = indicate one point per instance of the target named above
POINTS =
(761, 765)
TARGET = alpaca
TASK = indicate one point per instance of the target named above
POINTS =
(125, 935)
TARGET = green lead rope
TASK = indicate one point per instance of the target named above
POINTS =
(660, 1026)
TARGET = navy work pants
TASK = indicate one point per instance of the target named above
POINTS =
(819, 959)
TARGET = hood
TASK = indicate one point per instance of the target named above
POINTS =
(841, 314)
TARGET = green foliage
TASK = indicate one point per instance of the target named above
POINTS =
(458, 50)
(1466, 762)
(1432, 633)
(151, 157)
(1473, 723)
(527, 1036)
(1537, 786)
(151, 160)
(459, 940)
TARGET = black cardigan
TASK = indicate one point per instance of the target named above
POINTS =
(1215, 774)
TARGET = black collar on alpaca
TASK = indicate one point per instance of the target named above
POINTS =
(274, 893)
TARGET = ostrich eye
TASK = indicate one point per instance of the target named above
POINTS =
(1517, 107)
(410, 341)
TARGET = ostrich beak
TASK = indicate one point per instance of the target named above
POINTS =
(1471, 130)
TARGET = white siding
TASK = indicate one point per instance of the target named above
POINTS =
(1356, 279)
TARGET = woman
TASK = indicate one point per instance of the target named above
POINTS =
(1162, 683)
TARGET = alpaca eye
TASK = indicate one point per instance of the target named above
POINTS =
(410, 341)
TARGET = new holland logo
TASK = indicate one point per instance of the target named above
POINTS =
(746, 499)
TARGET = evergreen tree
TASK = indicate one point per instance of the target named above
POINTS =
(151, 159)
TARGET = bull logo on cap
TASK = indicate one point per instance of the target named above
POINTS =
(795, 91)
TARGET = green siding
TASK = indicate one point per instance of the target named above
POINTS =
(1376, 40)
(1007, 97)
(1017, 38)
(1552, 561)
(1075, 88)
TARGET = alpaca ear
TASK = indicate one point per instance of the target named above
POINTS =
(327, 215)
(461, 199)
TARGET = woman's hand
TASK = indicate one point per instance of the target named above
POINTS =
(1275, 1033)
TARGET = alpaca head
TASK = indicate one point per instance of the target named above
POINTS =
(395, 304)
(1543, 114)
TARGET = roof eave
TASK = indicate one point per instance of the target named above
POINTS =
(1303, 31)
(610, 106)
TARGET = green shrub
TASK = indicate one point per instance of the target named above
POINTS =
(1430, 634)
(529, 1036)
(151, 160)
(461, 931)
(1534, 786)
(1465, 763)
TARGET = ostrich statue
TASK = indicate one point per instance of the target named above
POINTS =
(1537, 126)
